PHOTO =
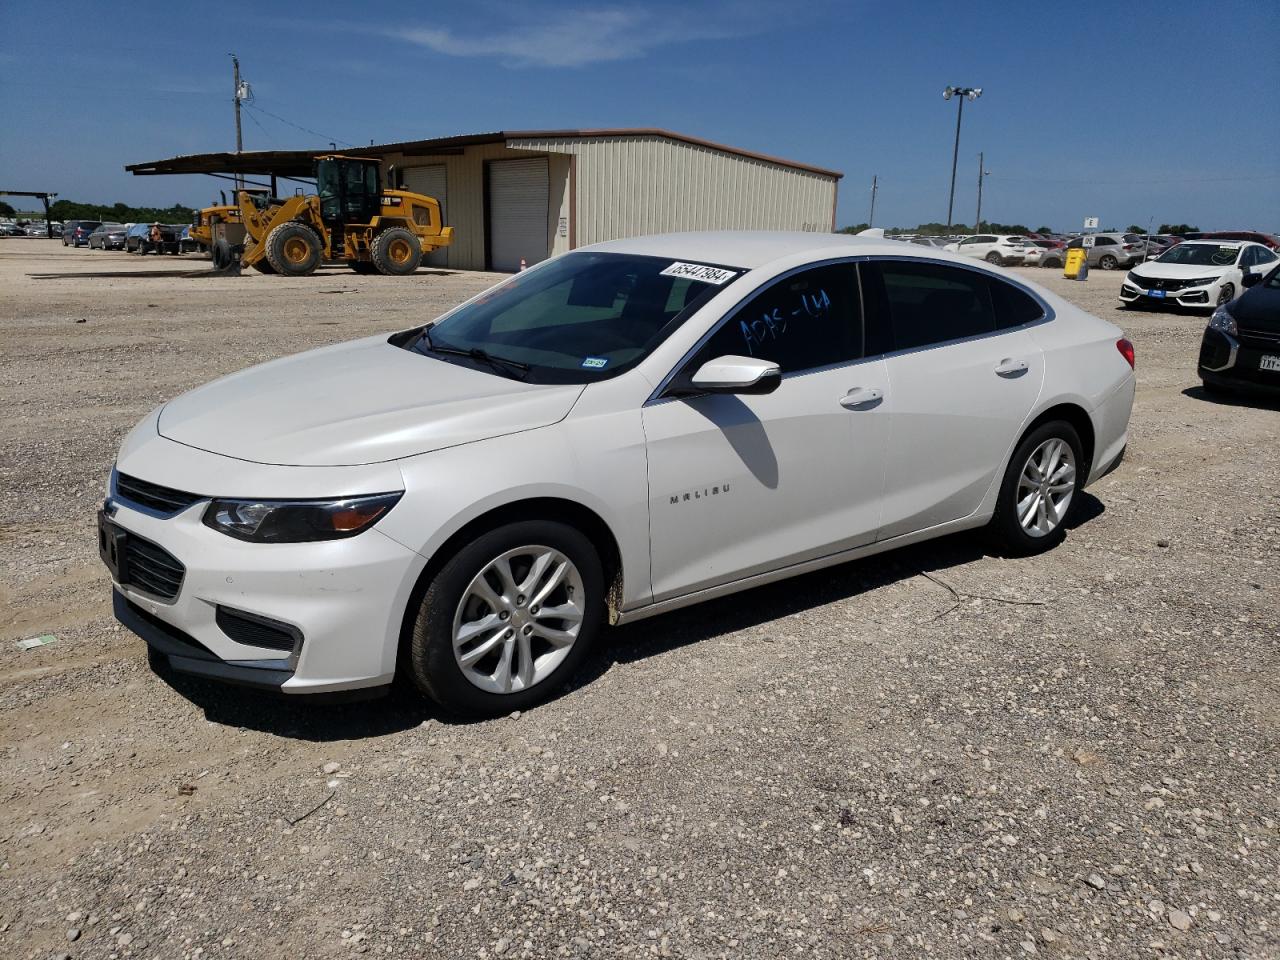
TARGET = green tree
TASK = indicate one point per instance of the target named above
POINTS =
(1044, 229)
(1134, 228)
(1178, 229)
(6, 210)
(64, 210)
(856, 228)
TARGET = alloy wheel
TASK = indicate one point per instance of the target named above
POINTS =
(518, 619)
(1226, 294)
(1045, 487)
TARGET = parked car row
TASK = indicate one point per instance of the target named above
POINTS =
(132, 238)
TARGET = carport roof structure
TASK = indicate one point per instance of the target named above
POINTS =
(298, 163)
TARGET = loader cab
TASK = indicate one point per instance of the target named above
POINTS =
(349, 190)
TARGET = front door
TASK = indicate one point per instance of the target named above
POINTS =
(740, 484)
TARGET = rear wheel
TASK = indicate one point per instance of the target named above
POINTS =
(1039, 490)
(508, 619)
(396, 252)
(1108, 262)
(993, 258)
(294, 249)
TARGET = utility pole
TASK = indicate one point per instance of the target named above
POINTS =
(871, 218)
(235, 99)
(977, 222)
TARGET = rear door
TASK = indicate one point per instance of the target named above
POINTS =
(964, 373)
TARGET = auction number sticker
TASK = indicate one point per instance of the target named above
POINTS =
(700, 272)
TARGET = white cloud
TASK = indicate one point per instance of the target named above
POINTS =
(577, 38)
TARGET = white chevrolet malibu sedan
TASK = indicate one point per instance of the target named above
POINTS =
(618, 432)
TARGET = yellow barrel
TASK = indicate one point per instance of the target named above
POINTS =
(1075, 260)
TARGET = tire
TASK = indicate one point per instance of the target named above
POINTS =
(450, 601)
(396, 252)
(1226, 293)
(1006, 531)
(363, 267)
(264, 266)
(294, 249)
(1108, 262)
(221, 255)
(993, 258)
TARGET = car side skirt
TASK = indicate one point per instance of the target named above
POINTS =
(976, 519)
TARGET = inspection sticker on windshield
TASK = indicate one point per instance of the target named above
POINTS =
(700, 272)
(595, 363)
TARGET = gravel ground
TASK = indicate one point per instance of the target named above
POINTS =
(1073, 755)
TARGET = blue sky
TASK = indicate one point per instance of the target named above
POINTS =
(1128, 111)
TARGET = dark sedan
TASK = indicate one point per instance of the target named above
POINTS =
(1241, 347)
(76, 232)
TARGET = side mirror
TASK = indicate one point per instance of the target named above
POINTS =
(737, 375)
(1250, 279)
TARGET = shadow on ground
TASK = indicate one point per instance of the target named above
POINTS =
(402, 709)
(1242, 398)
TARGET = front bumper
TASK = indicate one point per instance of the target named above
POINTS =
(1236, 361)
(344, 600)
(1193, 298)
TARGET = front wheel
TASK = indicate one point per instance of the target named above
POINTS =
(993, 258)
(1039, 490)
(1108, 262)
(508, 619)
(294, 249)
(1226, 294)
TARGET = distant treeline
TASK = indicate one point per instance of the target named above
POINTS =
(64, 210)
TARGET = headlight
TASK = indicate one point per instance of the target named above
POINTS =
(1223, 321)
(297, 521)
(1202, 282)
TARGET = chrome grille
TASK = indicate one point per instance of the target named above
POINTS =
(152, 495)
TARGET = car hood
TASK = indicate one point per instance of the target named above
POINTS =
(1178, 271)
(1258, 309)
(355, 403)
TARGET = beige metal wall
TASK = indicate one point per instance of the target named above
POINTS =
(628, 186)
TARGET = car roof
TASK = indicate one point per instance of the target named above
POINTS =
(1218, 242)
(755, 248)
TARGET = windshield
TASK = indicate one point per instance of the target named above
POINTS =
(1200, 255)
(578, 318)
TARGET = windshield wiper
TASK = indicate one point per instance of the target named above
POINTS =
(501, 364)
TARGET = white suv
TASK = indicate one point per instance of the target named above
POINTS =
(615, 433)
(1003, 250)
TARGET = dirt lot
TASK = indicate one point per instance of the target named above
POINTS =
(1073, 756)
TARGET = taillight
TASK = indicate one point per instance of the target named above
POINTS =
(1126, 351)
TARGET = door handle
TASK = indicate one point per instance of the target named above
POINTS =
(1008, 367)
(861, 398)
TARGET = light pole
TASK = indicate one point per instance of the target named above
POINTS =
(963, 94)
(983, 173)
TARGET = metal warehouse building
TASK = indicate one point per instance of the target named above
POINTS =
(527, 195)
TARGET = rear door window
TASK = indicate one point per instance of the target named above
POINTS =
(921, 304)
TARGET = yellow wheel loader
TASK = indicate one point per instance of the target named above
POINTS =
(350, 217)
(201, 229)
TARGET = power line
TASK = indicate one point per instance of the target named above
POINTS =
(262, 128)
(322, 136)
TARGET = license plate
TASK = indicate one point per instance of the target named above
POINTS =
(111, 540)
(1269, 363)
(1158, 294)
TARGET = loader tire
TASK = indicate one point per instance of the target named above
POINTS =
(264, 266)
(221, 254)
(362, 266)
(294, 249)
(396, 252)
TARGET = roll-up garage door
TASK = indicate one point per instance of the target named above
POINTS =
(432, 182)
(518, 200)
